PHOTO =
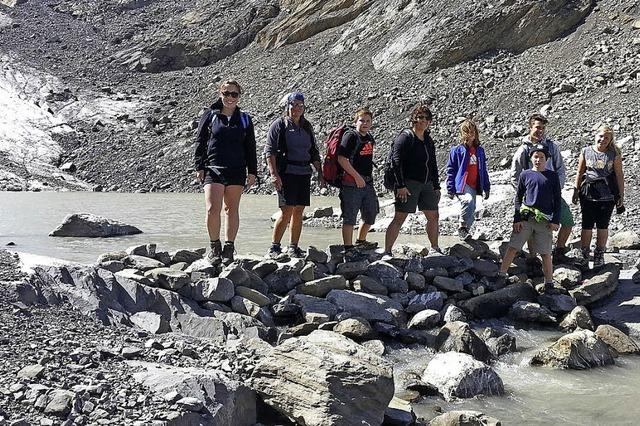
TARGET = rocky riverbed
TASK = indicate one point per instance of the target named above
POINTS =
(145, 336)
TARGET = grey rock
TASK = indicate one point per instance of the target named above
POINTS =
(366, 284)
(619, 342)
(532, 312)
(424, 320)
(352, 269)
(434, 300)
(459, 337)
(464, 418)
(244, 306)
(579, 350)
(227, 401)
(265, 268)
(558, 303)
(415, 281)
(438, 261)
(322, 287)
(497, 303)
(598, 287)
(282, 281)
(567, 277)
(314, 309)
(146, 250)
(190, 404)
(626, 240)
(355, 328)
(131, 352)
(448, 284)
(578, 318)
(253, 295)
(453, 313)
(430, 274)
(460, 375)
(622, 308)
(186, 256)
(201, 266)
(308, 272)
(484, 268)
(499, 342)
(370, 307)
(89, 225)
(110, 256)
(141, 263)
(375, 346)
(168, 278)
(311, 363)
(316, 256)
(60, 403)
(212, 289)
(150, 321)
(31, 371)
(399, 412)
(113, 266)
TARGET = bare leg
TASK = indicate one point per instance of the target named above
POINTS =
(602, 235)
(281, 223)
(585, 238)
(213, 194)
(393, 230)
(433, 230)
(347, 235)
(232, 194)
(547, 268)
(509, 255)
(296, 224)
(563, 236)
(363, 231)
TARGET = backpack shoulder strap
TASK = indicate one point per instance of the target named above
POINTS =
(245, 120)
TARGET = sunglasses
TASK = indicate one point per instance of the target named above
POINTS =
(422, 117)
(297, 104)
(232, 94)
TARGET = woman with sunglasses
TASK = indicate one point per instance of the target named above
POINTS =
(599, 186)
(290, 151)
(226, 163)
(416, 178)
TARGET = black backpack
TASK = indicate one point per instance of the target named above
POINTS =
(388, 172)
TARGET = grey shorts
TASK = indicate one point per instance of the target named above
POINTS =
(538, 231)
(354, 200)
(423, 196)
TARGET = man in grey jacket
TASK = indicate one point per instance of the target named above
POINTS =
(521, 161)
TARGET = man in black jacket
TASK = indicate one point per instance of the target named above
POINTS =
(416, 177)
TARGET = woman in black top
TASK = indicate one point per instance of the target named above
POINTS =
(416, 177)
(225, 162)
(290, 151)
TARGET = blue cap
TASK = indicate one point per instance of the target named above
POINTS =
(295, 96)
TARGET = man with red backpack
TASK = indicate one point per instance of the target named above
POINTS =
(355, 157)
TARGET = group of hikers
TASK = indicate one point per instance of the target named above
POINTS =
(226, 164)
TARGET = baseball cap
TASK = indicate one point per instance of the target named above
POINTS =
(539, 148)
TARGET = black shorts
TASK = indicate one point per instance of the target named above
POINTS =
(226, 177)
(296, 190)
(596, 213)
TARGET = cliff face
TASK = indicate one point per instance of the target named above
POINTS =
(126, 79)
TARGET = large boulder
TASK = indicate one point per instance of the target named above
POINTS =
(497, 303)
(598, 287)
(626, 240)
(579, 350)
(315, 309)
(617, 340)
(227, 401)
(459, 337)
(325, 378)
(90, 225)
(459, 375)
(578, 318)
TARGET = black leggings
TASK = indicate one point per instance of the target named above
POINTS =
(596, 213)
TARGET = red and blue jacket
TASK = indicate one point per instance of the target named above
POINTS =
(457, 170)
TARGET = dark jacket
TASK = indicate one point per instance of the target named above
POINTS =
(225, 143)
(277, 144)
(457, 170)
(414, 159)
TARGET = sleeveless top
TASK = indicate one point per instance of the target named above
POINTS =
(599, 164)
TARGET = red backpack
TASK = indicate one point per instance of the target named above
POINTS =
(331, 170)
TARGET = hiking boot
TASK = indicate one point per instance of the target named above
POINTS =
(463, 233)
(274, 251)
(214, 254)
(295, 252)
(227, 252)
(366, 245)
(582, 260)
(559, 255)
(387, 256)
(353, 254)
(598, 257)
(436, 250)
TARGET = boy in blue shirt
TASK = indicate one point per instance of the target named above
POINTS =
(537, 212)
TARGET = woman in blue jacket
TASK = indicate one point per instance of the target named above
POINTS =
(467, 175)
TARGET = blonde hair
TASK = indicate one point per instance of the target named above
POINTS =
(607, 130)
(230, 83)
(469, 130)
(363, 111)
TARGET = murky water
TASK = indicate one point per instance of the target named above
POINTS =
(534, 396)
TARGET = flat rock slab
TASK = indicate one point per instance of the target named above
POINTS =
(90, 225)
(622, 309)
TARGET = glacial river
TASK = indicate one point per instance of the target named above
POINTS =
(534, 396)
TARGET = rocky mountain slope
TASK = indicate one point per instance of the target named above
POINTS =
(126, 79)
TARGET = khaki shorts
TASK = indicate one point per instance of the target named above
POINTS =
(538, 231)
